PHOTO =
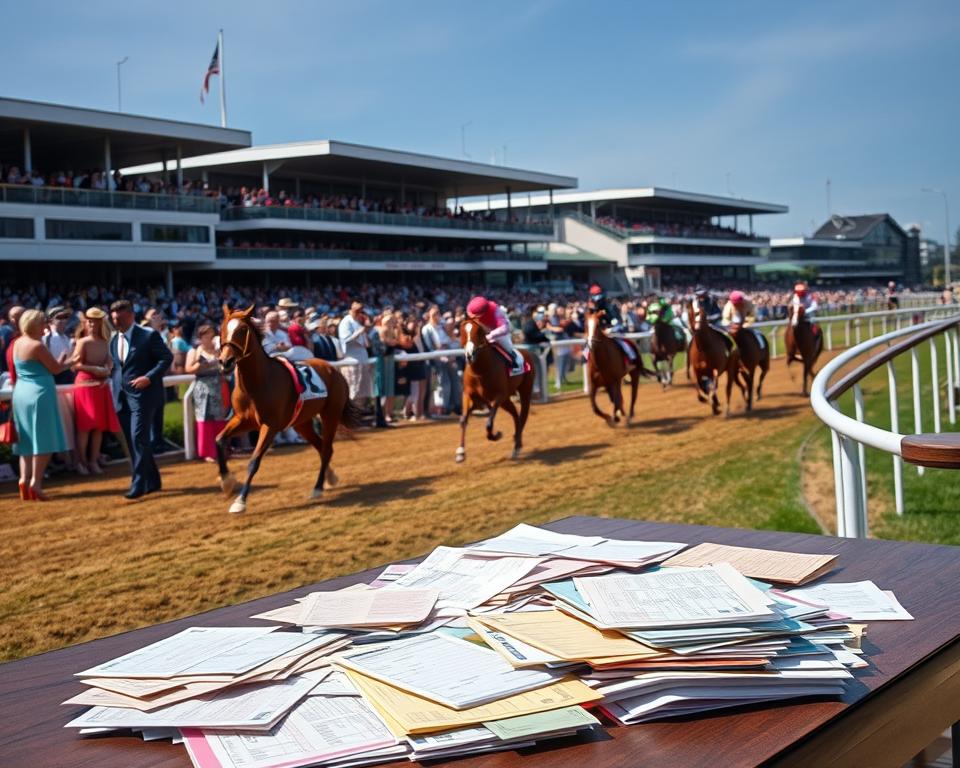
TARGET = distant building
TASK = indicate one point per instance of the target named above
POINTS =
(931, 255)
(872, 248)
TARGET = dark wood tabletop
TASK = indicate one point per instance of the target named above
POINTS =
(925, 579)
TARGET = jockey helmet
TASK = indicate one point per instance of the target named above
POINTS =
(596, 290)
(800, 289)
(736, 297)
(700, 292)
(478, 306)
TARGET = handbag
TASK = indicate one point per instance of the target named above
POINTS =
(8, 429)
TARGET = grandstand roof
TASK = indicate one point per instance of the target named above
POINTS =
(648, 197)
(72, 135)
(852, 227)
(340, 160)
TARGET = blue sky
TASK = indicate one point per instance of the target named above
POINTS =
(767, 100)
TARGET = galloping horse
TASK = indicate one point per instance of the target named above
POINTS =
(804, 342)
(607, 365)
(710, 355)
(664, 346)
(266, 399)
(487, 381)
(753, 355)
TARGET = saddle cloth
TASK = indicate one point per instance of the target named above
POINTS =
(512, 368)
(306, 382)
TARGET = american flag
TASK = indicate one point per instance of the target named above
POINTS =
(213, 69)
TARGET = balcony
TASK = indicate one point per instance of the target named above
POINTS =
(625, 229)
(94, 198)
(541, 227)
(227, 252)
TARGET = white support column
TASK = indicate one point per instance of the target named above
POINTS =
(107, 162)
(956, 359)
(829, 336)
(935, 385)
(179, 167)
(855, 524)
(773, 343)
(846, 334)
(856, 325)
(838, 480)
(917, 412)
(870, 329)
(861, 448)
(265, 182)
(27, 152)
(895, 427)
(189, 426)
(951, 394)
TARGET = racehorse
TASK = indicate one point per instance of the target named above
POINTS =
(753, 355)
(265, 399)
(664, 346)
(607, 365)
(804, 342)
(710, 355)
(487, 381)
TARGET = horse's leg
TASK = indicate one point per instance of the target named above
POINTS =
(764, 369)
(307, 432)
(491, 435)
(747, 387)
(466, 403)
(228, 483)
(634, 386)
(592, 386)
(731, 377)
(714, 389)
(510, 408)
(264, 441)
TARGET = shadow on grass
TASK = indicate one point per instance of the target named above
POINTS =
(377, 493)
(565, 453)
(669, 425)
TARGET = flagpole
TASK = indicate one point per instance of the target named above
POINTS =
(223, 87)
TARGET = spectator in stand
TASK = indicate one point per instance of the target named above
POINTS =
(435, 339)
(300, 347)
(140, 359)
(13, 323)
(556, 330)
(36, 413)
(179, 347)
(275, 339)
(211, 398)
(352, 333)
(323, 334)
(155, 320)
(416, 372)
(453, 394)
(386, 339)
(92, 402)
(58, 342)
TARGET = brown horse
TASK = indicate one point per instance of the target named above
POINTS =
(265, 399)
(804, 342)
(487, 381)
(664, 346)
(753, 355)
(710, 355)
(607, 366)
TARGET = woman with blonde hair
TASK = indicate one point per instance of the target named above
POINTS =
(36, 414)
(211, 396)
(389, 337)
(92, 400)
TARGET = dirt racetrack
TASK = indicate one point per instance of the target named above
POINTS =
(89, 564)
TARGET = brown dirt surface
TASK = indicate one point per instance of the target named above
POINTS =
(88, 564)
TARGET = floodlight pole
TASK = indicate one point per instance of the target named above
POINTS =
(223, 83)
(120, 63)
(946, 240)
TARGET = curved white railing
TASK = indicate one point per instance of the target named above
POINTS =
(851, 435)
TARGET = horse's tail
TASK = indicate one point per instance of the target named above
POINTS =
(351, 415)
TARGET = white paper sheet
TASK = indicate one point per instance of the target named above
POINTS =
(526, 539)
(857, 601)
(447, 670)
(368, 608)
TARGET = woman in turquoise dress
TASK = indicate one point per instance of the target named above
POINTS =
(36, 414)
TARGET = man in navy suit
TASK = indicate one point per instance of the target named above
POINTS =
(140, 359)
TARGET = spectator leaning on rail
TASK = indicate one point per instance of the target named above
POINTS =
(352, 333)
(140, 359)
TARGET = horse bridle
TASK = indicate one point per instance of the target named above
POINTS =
(246, 351)
(476, 345)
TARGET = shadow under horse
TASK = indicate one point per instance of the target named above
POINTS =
(804, 342)
(487, 382)
(711, 354)
(607, 365)
(266, 399)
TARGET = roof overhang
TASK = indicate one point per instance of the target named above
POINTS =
(322, 160)
(648, 197)
(72, 136)
(800, 242)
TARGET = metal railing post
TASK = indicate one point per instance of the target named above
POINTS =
(838, 480)
(773, 344)
(855, 524)
(895, 427)
(829, 336)
(870, 328)
(917, 412)
(951, 394)
(861, 448)
(856, 326)
(935, 385)
(189, 425)
(846, 334)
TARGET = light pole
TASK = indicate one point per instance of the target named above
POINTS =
(463, 137)
(119, 95)
(946, 241)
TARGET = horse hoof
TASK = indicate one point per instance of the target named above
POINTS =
(316, 494)
(516, 454)
(461, 455)
(238, 507)
(228, 484)
(332, 480)
(494, 436)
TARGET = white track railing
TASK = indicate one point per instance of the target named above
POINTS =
(852, 324)
(851, 435)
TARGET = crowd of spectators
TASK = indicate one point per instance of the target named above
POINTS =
(673, 229)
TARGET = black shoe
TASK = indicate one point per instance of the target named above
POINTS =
(133, 495)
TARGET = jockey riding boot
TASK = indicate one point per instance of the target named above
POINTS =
(517, 360)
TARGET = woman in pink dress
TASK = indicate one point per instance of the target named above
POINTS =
(92, 401)
(210, 395)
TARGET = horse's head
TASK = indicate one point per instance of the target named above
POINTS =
(695, 313)
(472, 337)
(238, 337)
(593, 324)
(798, 312)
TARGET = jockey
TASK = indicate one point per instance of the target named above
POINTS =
(660, 309)
(711, 310)
(493, 319)
(803, 298)
(598, 301)
(740, 312)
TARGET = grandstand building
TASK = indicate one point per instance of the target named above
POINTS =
(637, 238)
(852, 249)
(66, 211)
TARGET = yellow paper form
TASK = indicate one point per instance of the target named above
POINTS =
(567, 638)
(766, 564)
(414, 714)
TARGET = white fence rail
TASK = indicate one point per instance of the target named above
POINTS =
(850, 436)
(853, 326)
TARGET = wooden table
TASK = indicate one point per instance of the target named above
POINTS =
(907, 697)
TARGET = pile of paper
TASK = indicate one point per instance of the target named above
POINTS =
(515, 640)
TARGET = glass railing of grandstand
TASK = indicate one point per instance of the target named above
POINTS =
(643, 230)
(96, 198)
(239, 213)
(227, 252)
